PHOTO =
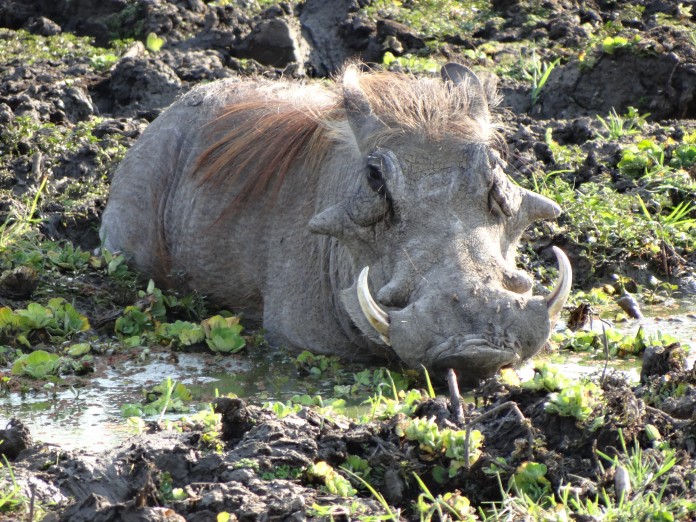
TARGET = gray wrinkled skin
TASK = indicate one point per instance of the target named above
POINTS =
(441, 253)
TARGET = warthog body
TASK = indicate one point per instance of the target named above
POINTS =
(273, 198)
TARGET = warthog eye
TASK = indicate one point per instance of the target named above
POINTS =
(376, 180)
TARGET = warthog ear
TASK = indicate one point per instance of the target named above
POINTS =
(362, 120)
(465, 78)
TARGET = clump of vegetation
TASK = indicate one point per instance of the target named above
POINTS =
(619, 126)
(546, 378)
(537, 72)
(414, 64)
(61, 47)
(462, 447)
(435, 18)
(611, 342)
(579, 400)
(12, 498)
(448, 506)
(58, 320)
(169, 395)
(332, 481)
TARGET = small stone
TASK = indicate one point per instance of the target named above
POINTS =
(629, 305)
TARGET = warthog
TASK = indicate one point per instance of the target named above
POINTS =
(367, 219)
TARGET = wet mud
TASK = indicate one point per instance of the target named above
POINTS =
(260, 471)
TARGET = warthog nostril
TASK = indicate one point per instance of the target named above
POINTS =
(517, 281)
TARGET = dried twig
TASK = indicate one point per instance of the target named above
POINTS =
(455, 398)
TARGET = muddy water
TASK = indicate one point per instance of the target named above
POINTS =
(90, 418)
(676, 318)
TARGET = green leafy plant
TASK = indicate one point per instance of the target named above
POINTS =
(619, 126)
(641, 158)
(578, 400)
(169, 395)
(282, 409)
(383, 407)
(530, 479)
(332, 481)
(154, 43)
(315, 365)
(66, 319)
(58, 319)
(537, 71)
(115, 264)
(208, 422)
(78, 349)
(416, 64)
(37, 365)
(133, 322)
(222, 334)
(68, 257)
(20, 220)
(617, 343)
(434, 442)
(546, 378)
(357, 465)
(182, 333)
(612, 43)
(167, 489)
(450, 506)
(684, 156)
(284, 472)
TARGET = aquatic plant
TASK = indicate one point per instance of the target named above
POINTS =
(223, 334)
(462, 448)
(332, 481)
(578, 400)
(613, 43)
(58, 319)
(169, 395)
(154, 43)
(546, 378)
(408, 62)
(529, 479)
(39, 364)
(448, 506)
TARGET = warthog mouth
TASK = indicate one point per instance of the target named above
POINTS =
(475, 356)
(472, 357)
(379, 319)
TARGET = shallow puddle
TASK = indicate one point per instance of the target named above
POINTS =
(90, 417)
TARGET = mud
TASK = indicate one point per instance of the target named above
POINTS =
(57, 93)
(243, 478)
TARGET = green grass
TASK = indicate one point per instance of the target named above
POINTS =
(645, 499)
(12, 498)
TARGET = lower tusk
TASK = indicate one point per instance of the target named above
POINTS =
(559, 295)
(377, 317)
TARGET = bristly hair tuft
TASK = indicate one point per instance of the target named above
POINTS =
(268, 134)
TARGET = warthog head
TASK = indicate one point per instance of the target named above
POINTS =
(432, 228)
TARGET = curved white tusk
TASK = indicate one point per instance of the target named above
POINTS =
(559, 295)
(377, 317)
